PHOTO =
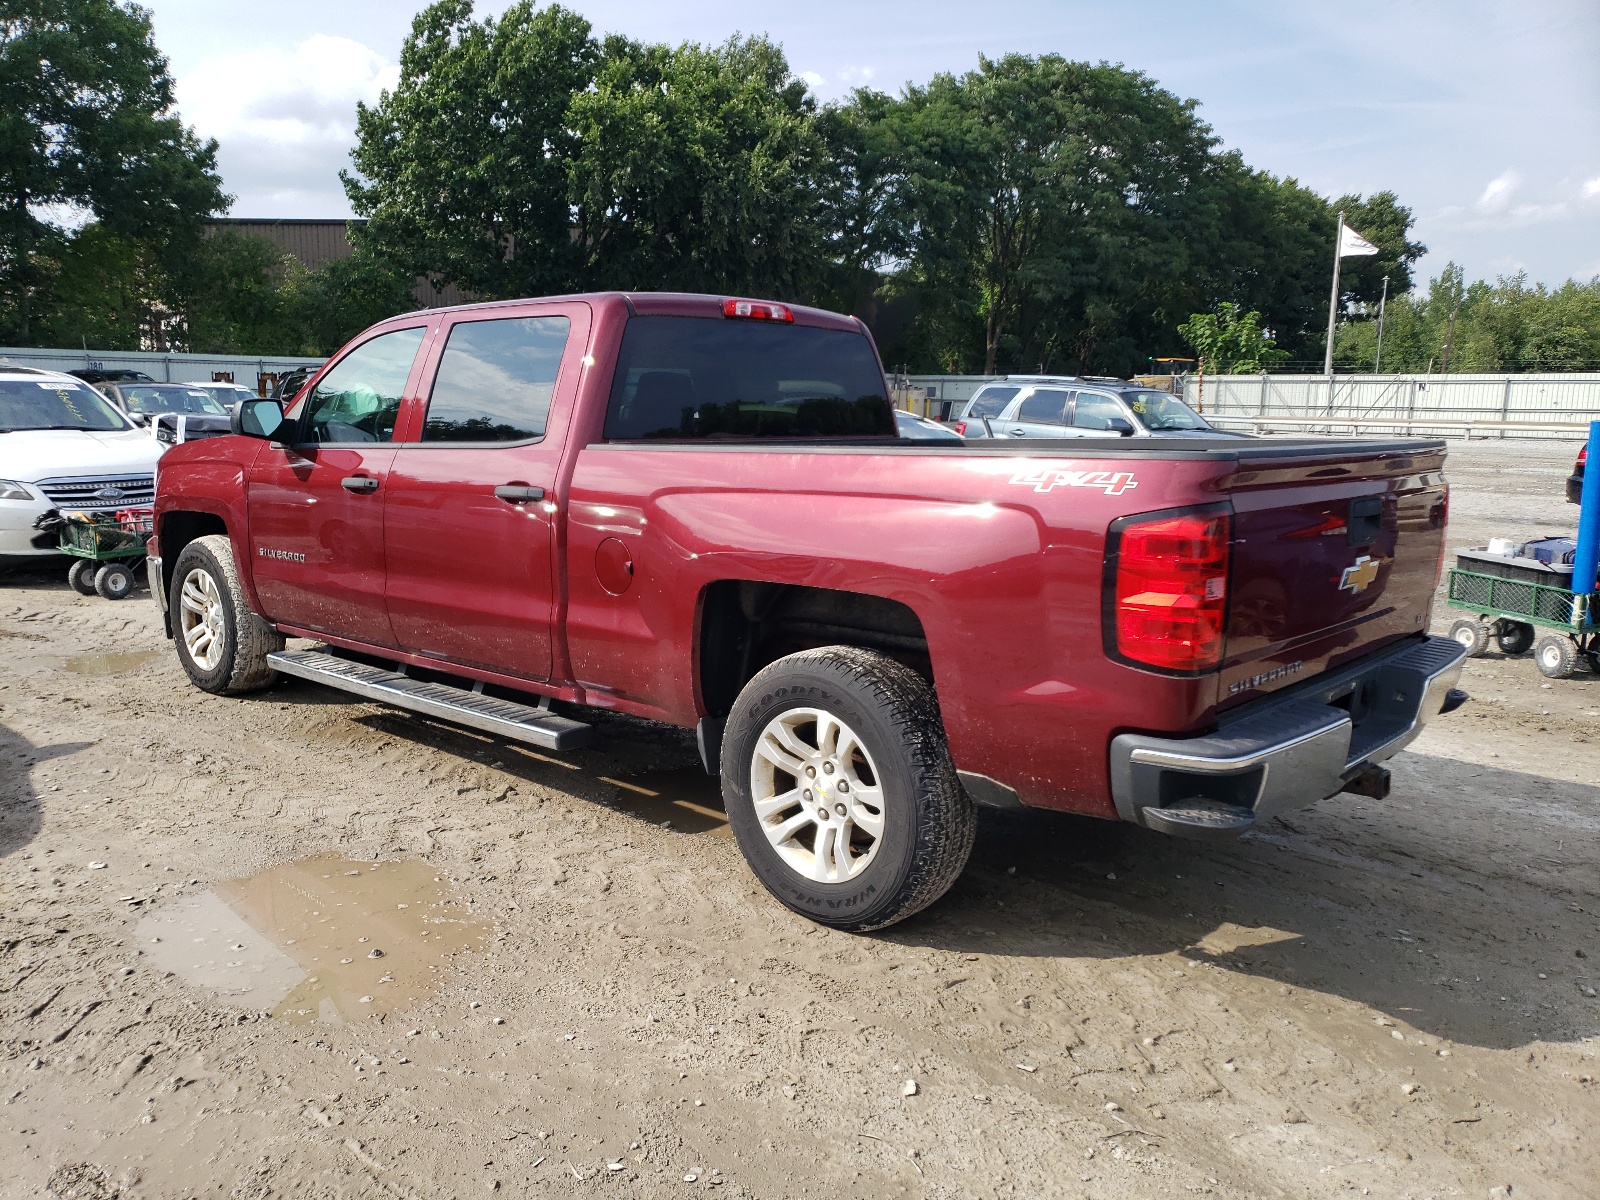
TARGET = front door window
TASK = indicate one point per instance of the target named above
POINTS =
(359, 399)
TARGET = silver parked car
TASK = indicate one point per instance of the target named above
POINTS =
(1068, 406)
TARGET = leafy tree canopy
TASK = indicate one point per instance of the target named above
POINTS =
(86, 131)
(1230, 342)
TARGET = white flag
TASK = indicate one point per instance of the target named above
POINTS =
(1352, 244)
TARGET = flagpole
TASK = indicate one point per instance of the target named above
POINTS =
(1333, 298)
(1382, 304)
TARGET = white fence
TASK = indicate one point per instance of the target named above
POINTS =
(165, 368)
(1441, 405)
(1451, 405)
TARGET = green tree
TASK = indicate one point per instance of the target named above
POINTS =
(1509, 325)
(1231, 342)
(86, 128)
(700, 168)
(1053, 201)
(463, 169)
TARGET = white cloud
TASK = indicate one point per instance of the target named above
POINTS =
(285, 120)
(813, 80)
(1591, 189)
(1498, 193)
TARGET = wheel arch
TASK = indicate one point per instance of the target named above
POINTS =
(177, 528)
(742, 625)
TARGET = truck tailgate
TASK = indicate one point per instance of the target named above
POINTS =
(1333, 556)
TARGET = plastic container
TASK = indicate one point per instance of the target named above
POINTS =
(1554, 551)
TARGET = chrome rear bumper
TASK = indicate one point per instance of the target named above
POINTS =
(1287, 750)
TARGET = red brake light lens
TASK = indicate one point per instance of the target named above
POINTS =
(1583, 454)
(757, 310)
(1170, 593)
(961, 428)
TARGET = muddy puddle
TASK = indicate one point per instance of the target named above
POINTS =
(325, 939)
(110, 664)
(685, 798)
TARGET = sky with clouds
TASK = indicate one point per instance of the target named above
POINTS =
(1483, 116)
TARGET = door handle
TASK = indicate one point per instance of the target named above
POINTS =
(1017, 432)
(359, 483)
(518, 493)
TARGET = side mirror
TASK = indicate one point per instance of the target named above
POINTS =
(1120, 426)
(140, 419)
(258, 419)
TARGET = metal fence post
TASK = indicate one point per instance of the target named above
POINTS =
(1261, 408)
(1505, 404)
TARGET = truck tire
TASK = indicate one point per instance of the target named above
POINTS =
(1473, 634)
(81, 575)
(1514, 637)
(114, 581)
(222, 644)
(840, 788)
(1556, 656)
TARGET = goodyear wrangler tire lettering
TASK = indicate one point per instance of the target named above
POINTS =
(861, 733)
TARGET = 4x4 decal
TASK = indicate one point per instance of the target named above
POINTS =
(1112, 483)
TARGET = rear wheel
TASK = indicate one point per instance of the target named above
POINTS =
(840, 788)
(1473, 634)
(114, 581)
(1556, 656)
(1514, 637)
(81, 575)
(222, 645)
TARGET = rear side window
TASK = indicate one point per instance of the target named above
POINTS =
(496, 379)
(359, 399)
(991, 401)
(1046, 407)
(692, 377)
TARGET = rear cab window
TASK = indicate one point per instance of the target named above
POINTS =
(688, 378)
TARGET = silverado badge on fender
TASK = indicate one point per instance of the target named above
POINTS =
(1358, 576)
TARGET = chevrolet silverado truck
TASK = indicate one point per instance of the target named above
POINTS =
(696, 510)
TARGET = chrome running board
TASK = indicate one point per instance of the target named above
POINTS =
(507, 718)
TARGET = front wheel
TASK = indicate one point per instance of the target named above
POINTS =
(1556, 656)
(222, 645)
(840, 788)
(114, 581)
(1474, 635)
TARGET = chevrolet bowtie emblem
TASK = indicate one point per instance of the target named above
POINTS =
(1358, 576)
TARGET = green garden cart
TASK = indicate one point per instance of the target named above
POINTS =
(1524, 605)
(108, 548)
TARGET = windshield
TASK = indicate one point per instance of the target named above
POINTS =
(171, 398)
(1161, 411)
(55, 404)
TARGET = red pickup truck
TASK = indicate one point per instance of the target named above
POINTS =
(696, 510)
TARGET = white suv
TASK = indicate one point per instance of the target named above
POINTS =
(64, 446)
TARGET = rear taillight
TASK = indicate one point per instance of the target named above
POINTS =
(757, 310)
(1583, 454)
(1168, 591)
(961, 428)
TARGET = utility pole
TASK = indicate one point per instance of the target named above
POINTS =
(1377, 365)
(1333, 297)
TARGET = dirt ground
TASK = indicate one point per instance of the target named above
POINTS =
(579, 989)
